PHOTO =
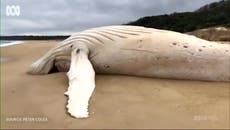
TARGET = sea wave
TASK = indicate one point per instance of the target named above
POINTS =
(5, 44)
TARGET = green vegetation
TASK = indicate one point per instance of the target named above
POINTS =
(215, 14)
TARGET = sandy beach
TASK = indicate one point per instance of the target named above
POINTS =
(118, 102)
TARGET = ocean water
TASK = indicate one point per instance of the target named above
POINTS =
(5, 43)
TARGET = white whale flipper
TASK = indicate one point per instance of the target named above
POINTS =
(81, 83)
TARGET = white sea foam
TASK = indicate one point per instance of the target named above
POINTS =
(11, 43)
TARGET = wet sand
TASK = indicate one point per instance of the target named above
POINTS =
(118, 102)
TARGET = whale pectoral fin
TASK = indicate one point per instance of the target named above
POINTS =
(81, 83)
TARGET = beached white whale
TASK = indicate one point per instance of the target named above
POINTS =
(132, 50)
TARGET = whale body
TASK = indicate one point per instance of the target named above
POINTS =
(131, 50)
(140, 51)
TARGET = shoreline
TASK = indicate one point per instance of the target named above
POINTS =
(25, 41)
(12, 43)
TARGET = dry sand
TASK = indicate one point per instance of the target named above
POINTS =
(117, 102)
(213, 34)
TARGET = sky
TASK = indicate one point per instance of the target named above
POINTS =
(57, 17)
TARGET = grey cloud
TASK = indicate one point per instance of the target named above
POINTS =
(58, 16)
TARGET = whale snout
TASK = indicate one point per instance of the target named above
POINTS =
(41, 67)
